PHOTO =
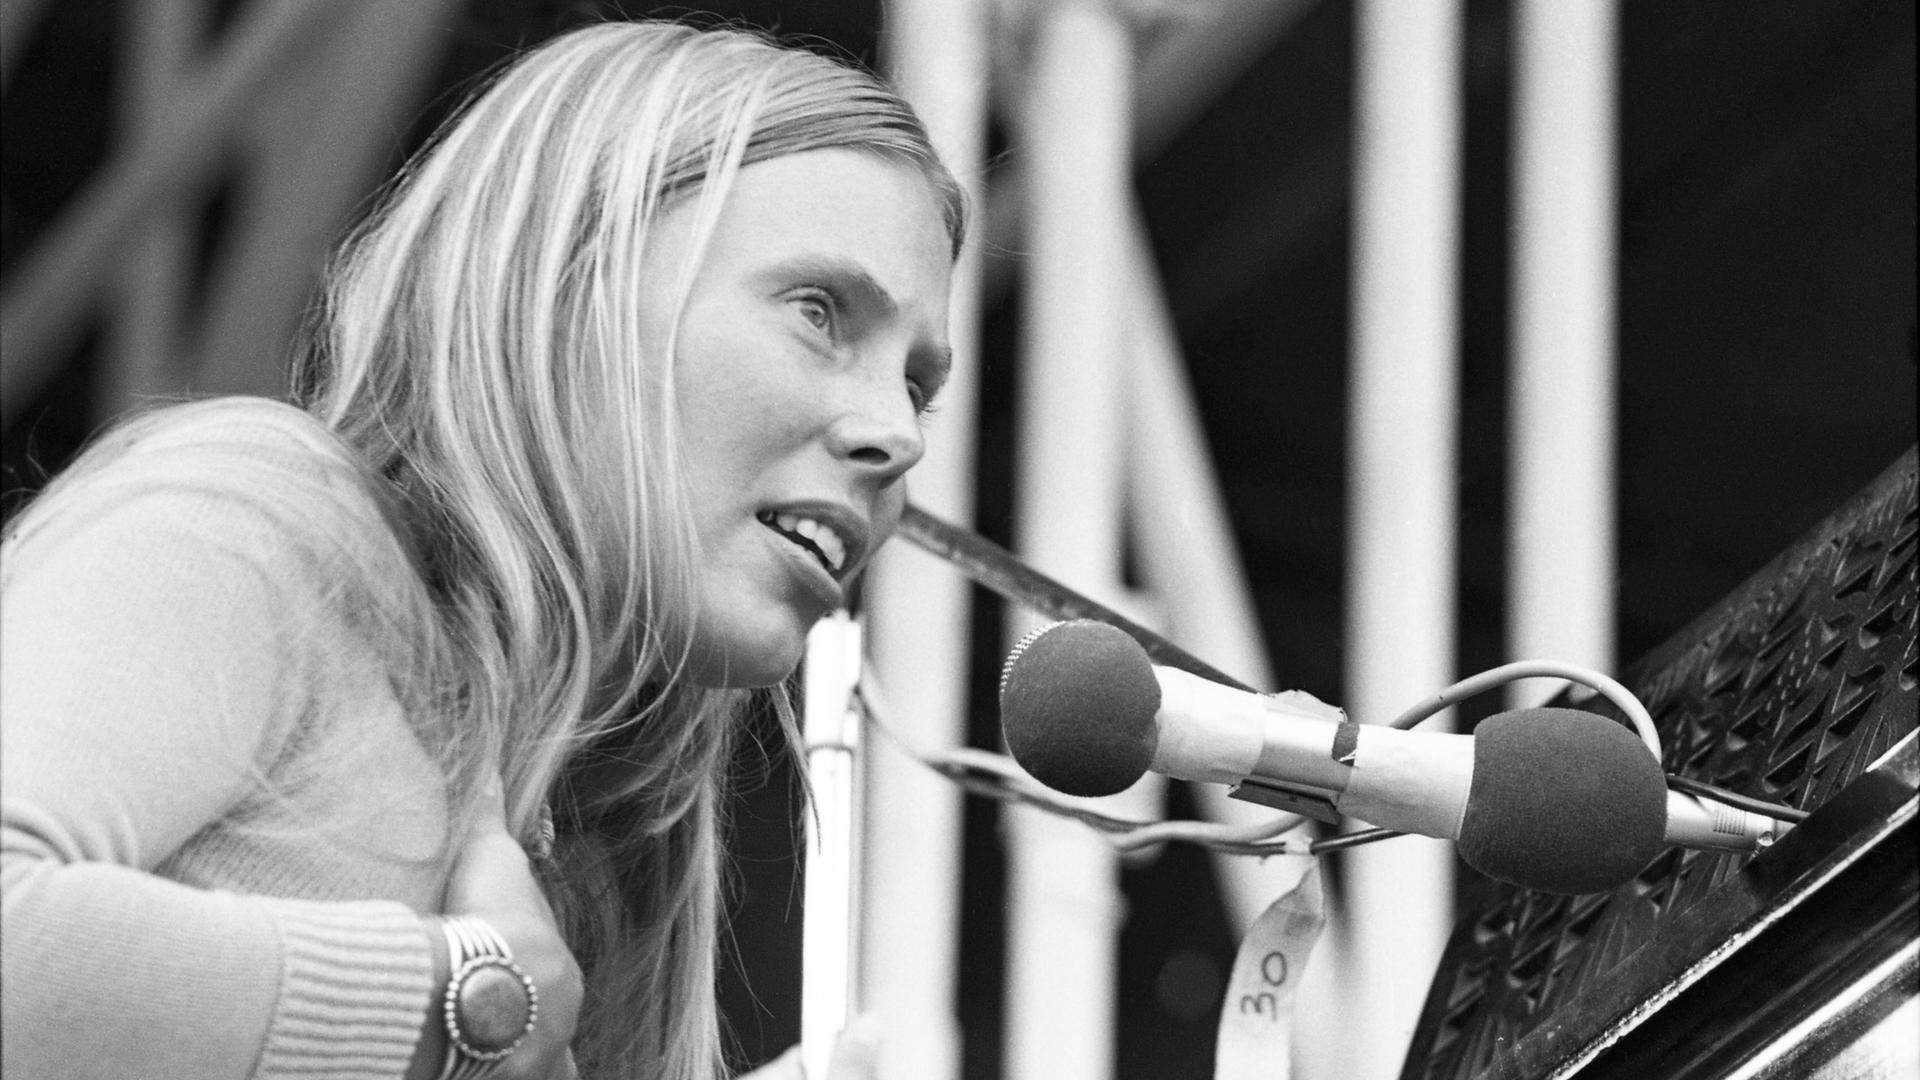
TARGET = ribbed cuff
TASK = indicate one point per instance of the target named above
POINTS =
(354, 987)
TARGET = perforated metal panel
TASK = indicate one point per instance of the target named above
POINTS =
(1799, 688)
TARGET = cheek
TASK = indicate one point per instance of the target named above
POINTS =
(742, 404)
(734, 436)
(736, 445)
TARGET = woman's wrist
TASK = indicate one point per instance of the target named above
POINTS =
(430, 1053)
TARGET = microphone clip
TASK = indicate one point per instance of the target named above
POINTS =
(1292, 798)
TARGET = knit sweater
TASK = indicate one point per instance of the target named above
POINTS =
(220, 830)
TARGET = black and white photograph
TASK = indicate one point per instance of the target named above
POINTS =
(959, 540)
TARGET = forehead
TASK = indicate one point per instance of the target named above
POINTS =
(837, 204)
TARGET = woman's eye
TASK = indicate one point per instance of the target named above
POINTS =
(923, 405)
(817, 310)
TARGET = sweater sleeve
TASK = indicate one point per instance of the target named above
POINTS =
(152, 666)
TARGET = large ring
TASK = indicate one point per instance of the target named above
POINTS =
(490, 1004)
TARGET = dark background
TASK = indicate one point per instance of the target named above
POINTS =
(1766, 336)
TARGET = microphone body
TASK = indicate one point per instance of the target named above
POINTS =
(1553, 799)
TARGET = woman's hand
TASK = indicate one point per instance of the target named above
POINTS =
(856, 1056)
(493, 880)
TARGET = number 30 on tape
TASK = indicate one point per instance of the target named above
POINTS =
(1256, 1018)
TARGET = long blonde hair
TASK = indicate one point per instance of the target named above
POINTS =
(480, 348)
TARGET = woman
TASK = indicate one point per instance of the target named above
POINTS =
(607, 404)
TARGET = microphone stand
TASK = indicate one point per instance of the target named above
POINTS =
(831, 732)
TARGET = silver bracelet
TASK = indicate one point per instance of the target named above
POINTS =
(490, 1004)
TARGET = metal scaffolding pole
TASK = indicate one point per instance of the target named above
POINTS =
(1075, 120)
(918, 609)
(1392, 915)
(1563, 397)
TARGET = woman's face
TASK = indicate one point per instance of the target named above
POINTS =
(813, 339)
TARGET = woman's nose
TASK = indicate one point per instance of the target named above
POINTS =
(879, 432)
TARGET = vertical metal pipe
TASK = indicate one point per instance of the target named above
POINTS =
(918, 608)
(1394, 912)
(831, 729)
(1563, 397)
(1075, 120)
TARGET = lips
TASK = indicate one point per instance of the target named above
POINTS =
(824, 540)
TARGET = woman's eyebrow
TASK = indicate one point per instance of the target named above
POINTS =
(847, 277)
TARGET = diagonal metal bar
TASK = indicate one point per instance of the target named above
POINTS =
(1004, 573)
(45, 301)
(1189, 67)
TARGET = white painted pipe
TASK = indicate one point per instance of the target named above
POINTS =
(918, 621)
(1563, 396)
(1389, 923)
(1073, 132)
(831, 730)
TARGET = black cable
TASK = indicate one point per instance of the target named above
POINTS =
(1733, 798)
(1352, 839)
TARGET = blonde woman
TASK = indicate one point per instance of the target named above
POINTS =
(385, 735)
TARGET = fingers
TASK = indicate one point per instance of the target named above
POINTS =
(492, 880)
(490, 869)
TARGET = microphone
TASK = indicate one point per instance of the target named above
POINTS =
(1558, 800)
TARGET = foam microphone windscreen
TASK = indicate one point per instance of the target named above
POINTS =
(1077, 705)
(1562, 801)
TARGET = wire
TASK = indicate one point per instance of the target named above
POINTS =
(1352, 839)
(976, 772)
(1703, 789)
(1529, 669)
(1614, 692)
(996, 776)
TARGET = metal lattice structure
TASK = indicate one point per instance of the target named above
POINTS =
(1800, 688)
(256, 115)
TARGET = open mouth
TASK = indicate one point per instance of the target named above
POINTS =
(814, 537)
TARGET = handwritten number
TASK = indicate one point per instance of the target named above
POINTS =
(1265, 1004)
(1273, 968)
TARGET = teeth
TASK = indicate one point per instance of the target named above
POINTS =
(827, 543)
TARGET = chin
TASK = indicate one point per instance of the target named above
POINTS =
(741, 662)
